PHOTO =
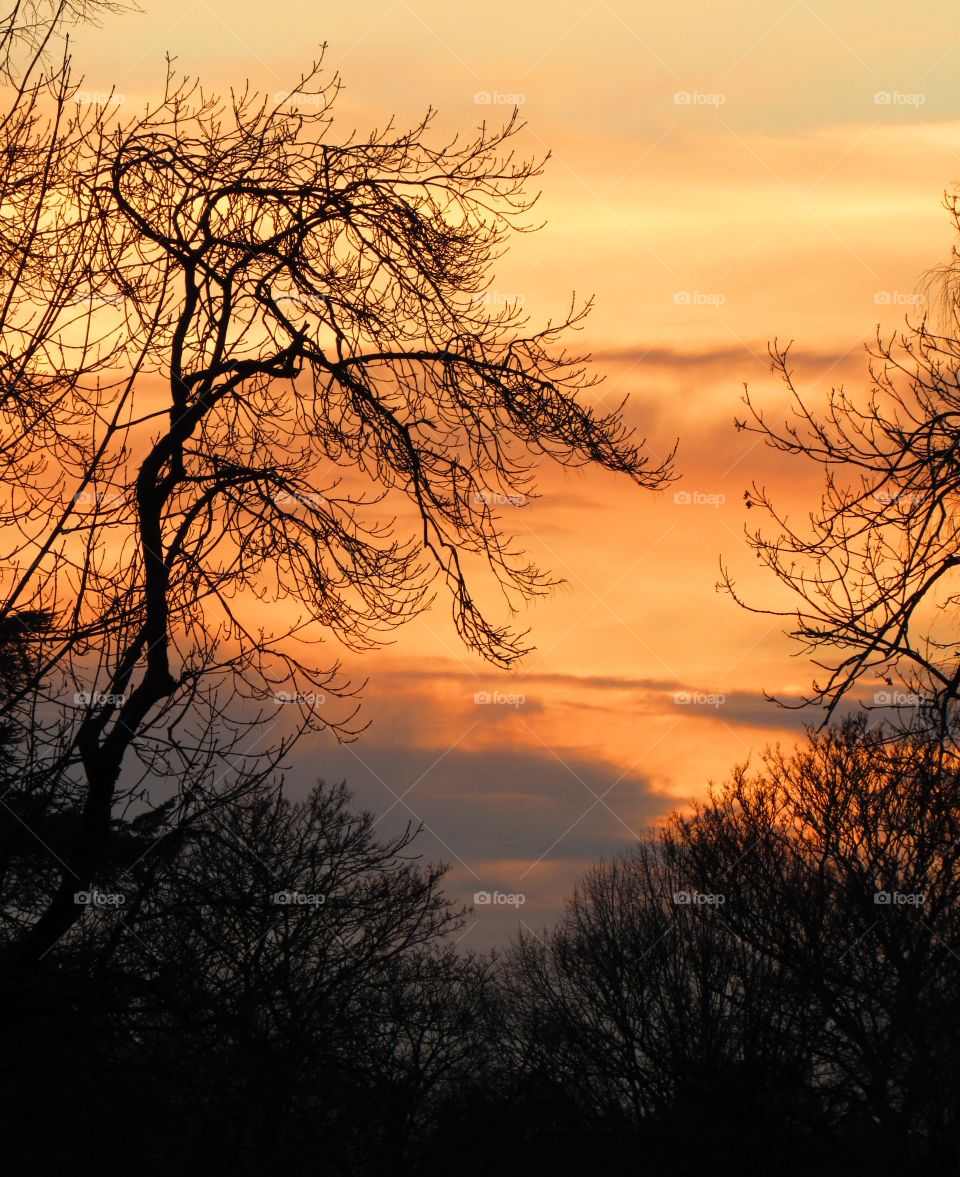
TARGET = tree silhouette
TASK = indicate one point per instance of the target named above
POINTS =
(274, 982)
(874, 573)
(843, 862)
(645, 1010)
(778, 967)
(245, 363)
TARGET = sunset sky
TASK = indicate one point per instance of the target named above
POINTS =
(720, 176)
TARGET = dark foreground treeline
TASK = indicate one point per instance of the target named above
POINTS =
(799, 1015)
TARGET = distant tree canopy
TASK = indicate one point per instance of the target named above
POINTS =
(769, 984)
(269, 988)
(253, 396)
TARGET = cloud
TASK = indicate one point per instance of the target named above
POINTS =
(723, 356)
(527, 821)
(483, 806)
(544, 692)
(435, 670)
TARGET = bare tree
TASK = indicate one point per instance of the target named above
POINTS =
(778, 965)
(35, 33)
(643, 1005)
(842, 864)
(272, 978)
(873, 569)
(248, 363)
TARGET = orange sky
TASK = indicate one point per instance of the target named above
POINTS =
(721, 175)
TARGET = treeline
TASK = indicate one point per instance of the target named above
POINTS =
(767, 985)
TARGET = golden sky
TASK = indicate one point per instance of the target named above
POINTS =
(721, 175)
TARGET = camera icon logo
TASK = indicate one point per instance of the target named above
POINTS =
(95, 898)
